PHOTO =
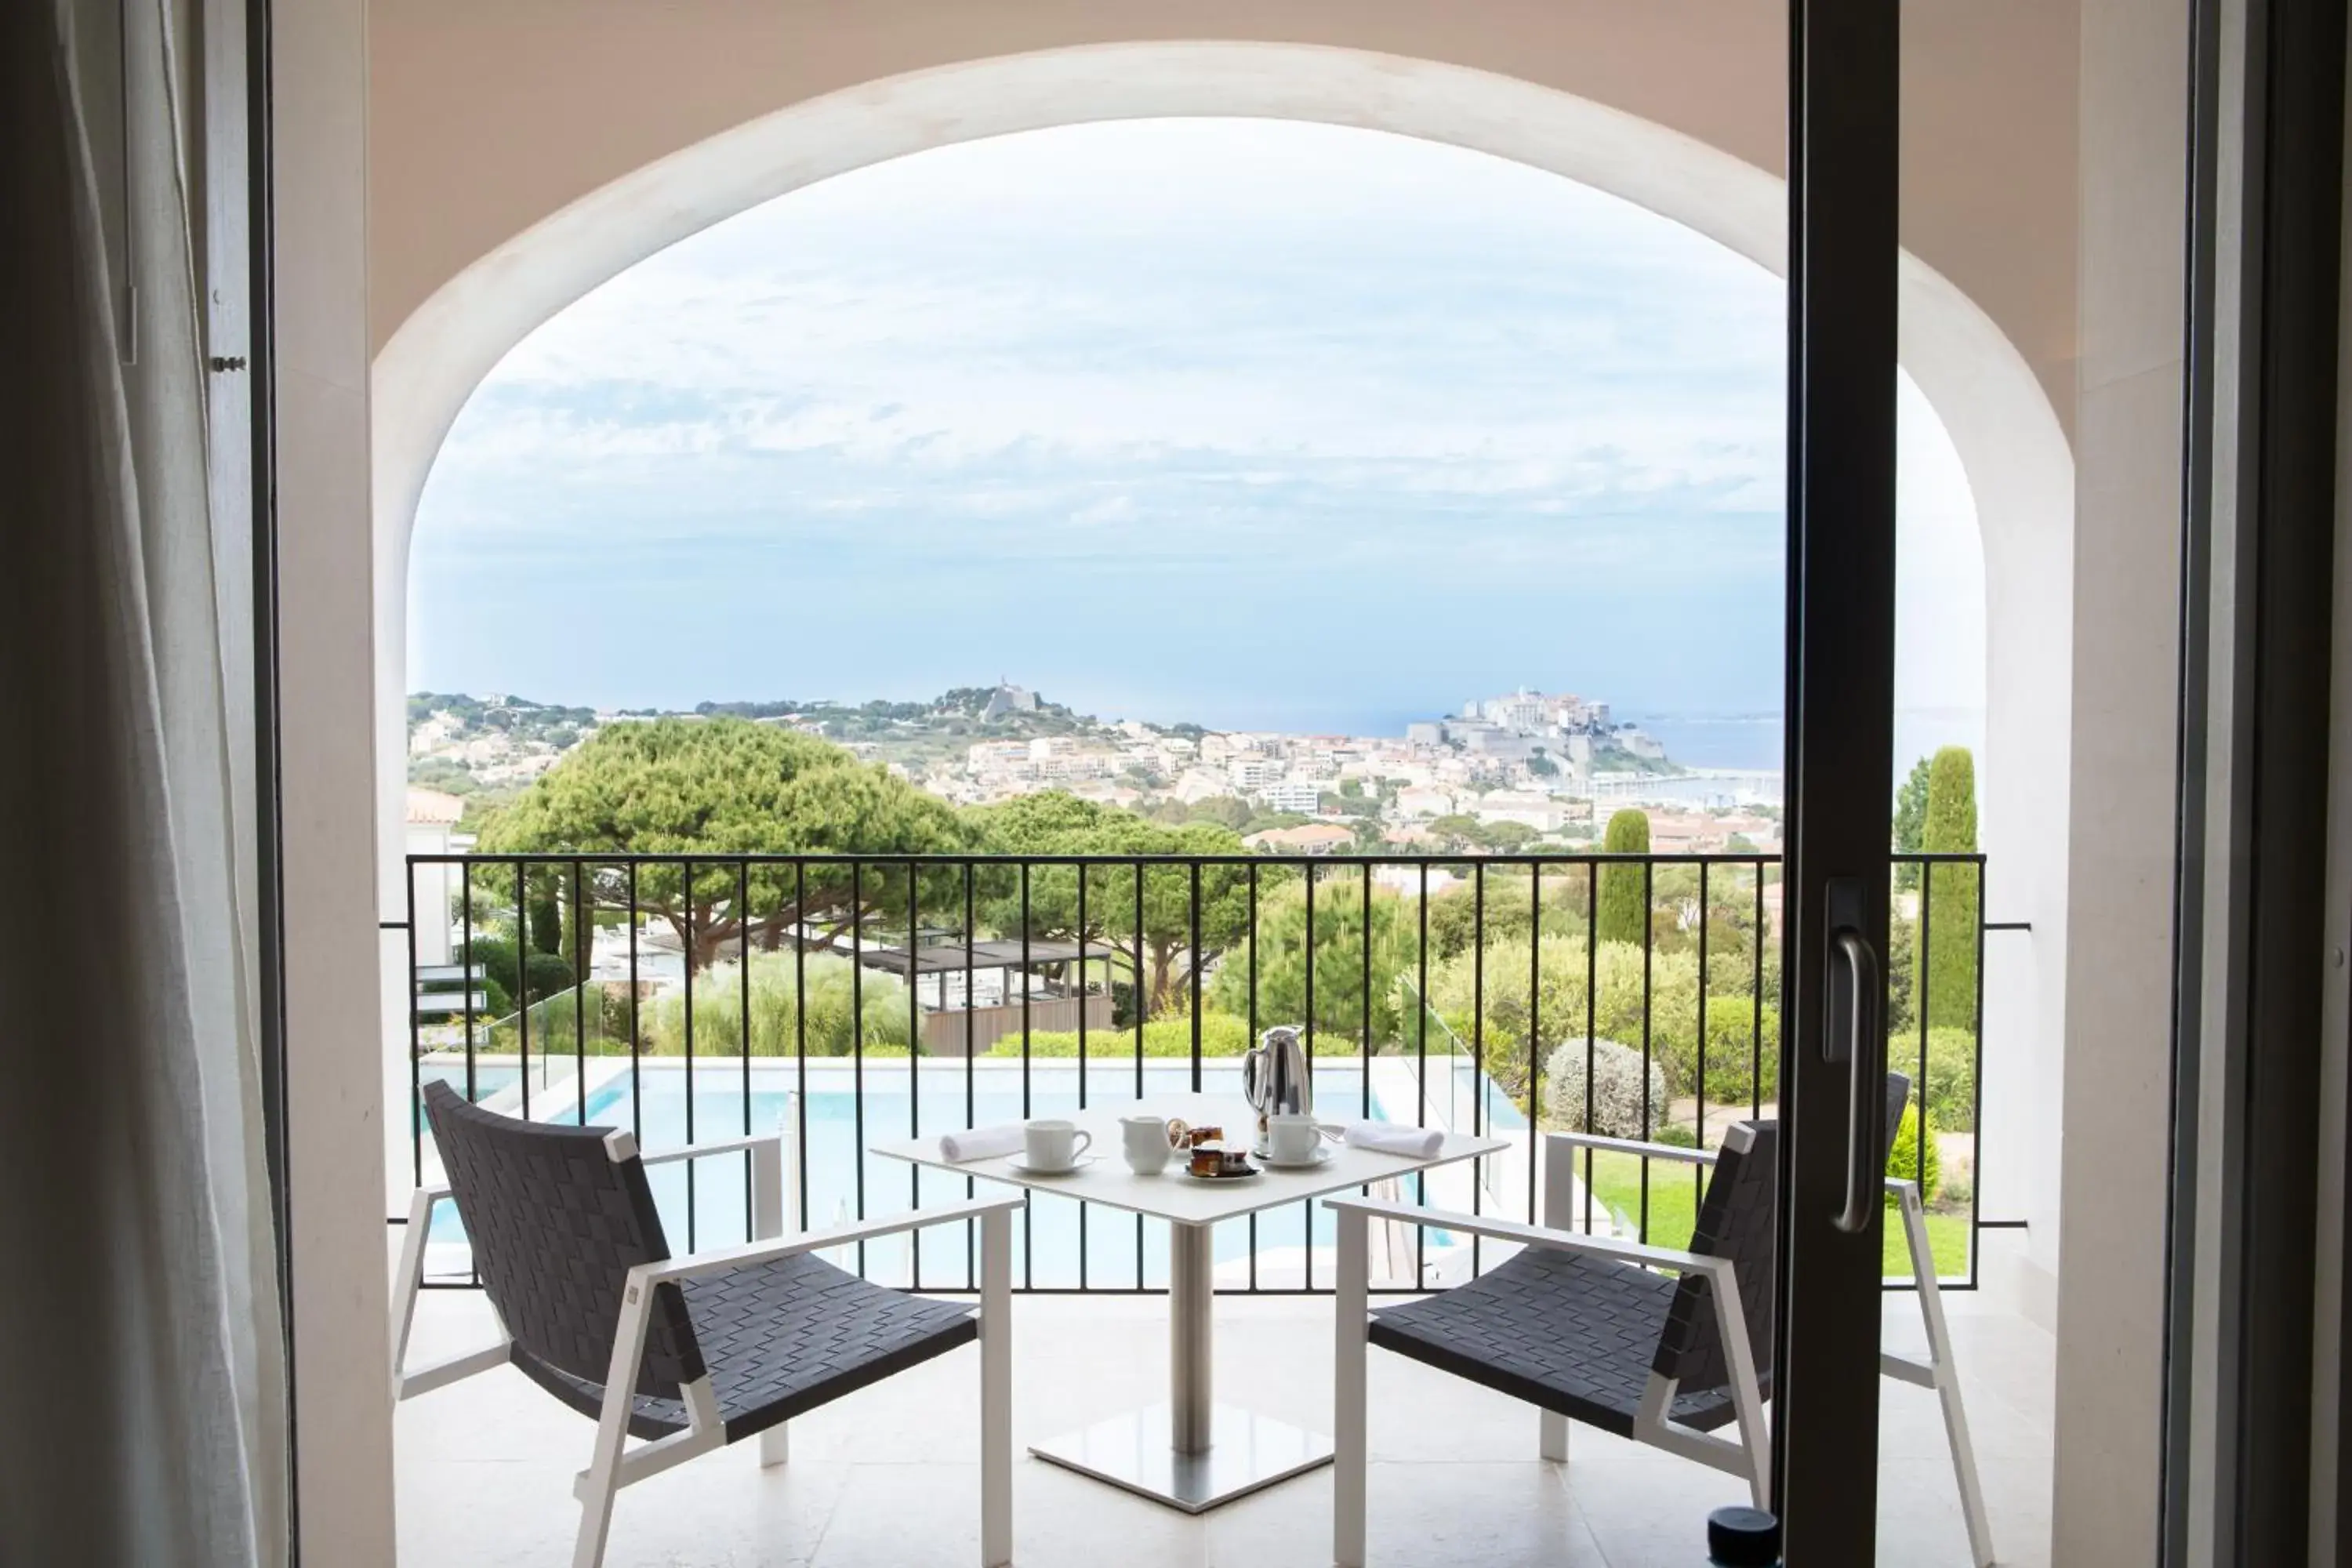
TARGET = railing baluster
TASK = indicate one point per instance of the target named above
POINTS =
(1698, 1177)
(1591, 999)
(1364, 874)
(1649, 941)
(1421, 1075)
(1083, 868)
(1028, 1226)
(1756, 1025)
(1477, 1037)
(416, 1032)
(914, 1065)
(857, 1038)
(1192, 967)
(1976, 1089)
(522, 983)
(1307, 1209)
(970, 1066)
(800, 1028)
(743, 991)
(583, 964)
(1252, 1040)
(636, 1025)
(1535, 1028)
(1920, 997)
(1139, 1010)
(465, 920)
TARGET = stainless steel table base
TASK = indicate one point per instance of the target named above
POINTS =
(1247, 1452)
(1190, 1453)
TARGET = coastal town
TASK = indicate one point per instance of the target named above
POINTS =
(1505, 770)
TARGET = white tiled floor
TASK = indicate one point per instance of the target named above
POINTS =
(888, 1477)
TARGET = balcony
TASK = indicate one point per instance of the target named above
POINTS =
(1495, 995)
(890, 1476)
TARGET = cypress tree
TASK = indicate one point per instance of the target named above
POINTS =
(1911, 822)
(1954, 898)
(1623, 893)
(546, 923)
(579, 936)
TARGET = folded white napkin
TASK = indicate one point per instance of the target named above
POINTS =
(1388, 1138)
(983, 1142)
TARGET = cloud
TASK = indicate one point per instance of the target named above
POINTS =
(1091, 355)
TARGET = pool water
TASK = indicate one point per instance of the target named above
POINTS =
(1058, 1243)
(491, 1080)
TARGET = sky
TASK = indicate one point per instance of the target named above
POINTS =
(1248, 423)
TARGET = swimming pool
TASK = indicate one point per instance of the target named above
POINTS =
(1059, 1245)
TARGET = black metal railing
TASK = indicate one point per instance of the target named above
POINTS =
(848, 997)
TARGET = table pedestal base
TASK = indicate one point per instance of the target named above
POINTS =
(1248, 1452)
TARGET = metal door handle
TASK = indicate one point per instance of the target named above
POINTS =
(1866, 1051)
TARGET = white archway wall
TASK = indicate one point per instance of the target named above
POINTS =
(1999, 417)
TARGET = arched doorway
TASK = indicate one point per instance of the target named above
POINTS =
(2008, 438)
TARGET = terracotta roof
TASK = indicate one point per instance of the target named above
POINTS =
(431, 807)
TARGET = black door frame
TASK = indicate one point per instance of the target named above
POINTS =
(268, 829)
(1844, 180)
(2258, 541)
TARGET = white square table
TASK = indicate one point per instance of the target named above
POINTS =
(1190, 1453)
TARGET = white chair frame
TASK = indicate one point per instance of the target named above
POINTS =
(613, 1464)
(1749, 1458)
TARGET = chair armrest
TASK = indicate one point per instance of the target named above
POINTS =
(1595, 1141)
(724, 1260)
(1607, 1246)
(721, 1146)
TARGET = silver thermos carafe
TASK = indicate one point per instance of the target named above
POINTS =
(1273, 1081)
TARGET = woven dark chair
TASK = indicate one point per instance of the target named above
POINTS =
(1663, 1346)
(692, 1353)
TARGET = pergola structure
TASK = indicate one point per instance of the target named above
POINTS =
(959, 1019)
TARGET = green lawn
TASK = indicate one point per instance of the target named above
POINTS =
(1673, 1209)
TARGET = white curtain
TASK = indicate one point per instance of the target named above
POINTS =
(142, 1368)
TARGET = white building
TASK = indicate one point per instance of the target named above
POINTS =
(1250, 775)
(1196, 784)
(1292, 794)
(1424, 801)
(1541, 812)
(431, 818)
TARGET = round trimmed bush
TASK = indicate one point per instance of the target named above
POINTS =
(1617, 1085)
(546, 974)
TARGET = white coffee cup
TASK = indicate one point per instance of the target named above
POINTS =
(1054, 1145)
(1146, 1143)
(1292, 1140)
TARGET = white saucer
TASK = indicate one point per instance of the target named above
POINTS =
(1322, 1156)
(1018, 1162)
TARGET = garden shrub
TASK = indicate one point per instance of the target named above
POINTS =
(1903, 1155)
(1221, 1035)
(776, 1024)
(1950, 1090)
(1734, 1051)
(1617, 1089)
(546, 974)
(497, 956)
(1674, 1135)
